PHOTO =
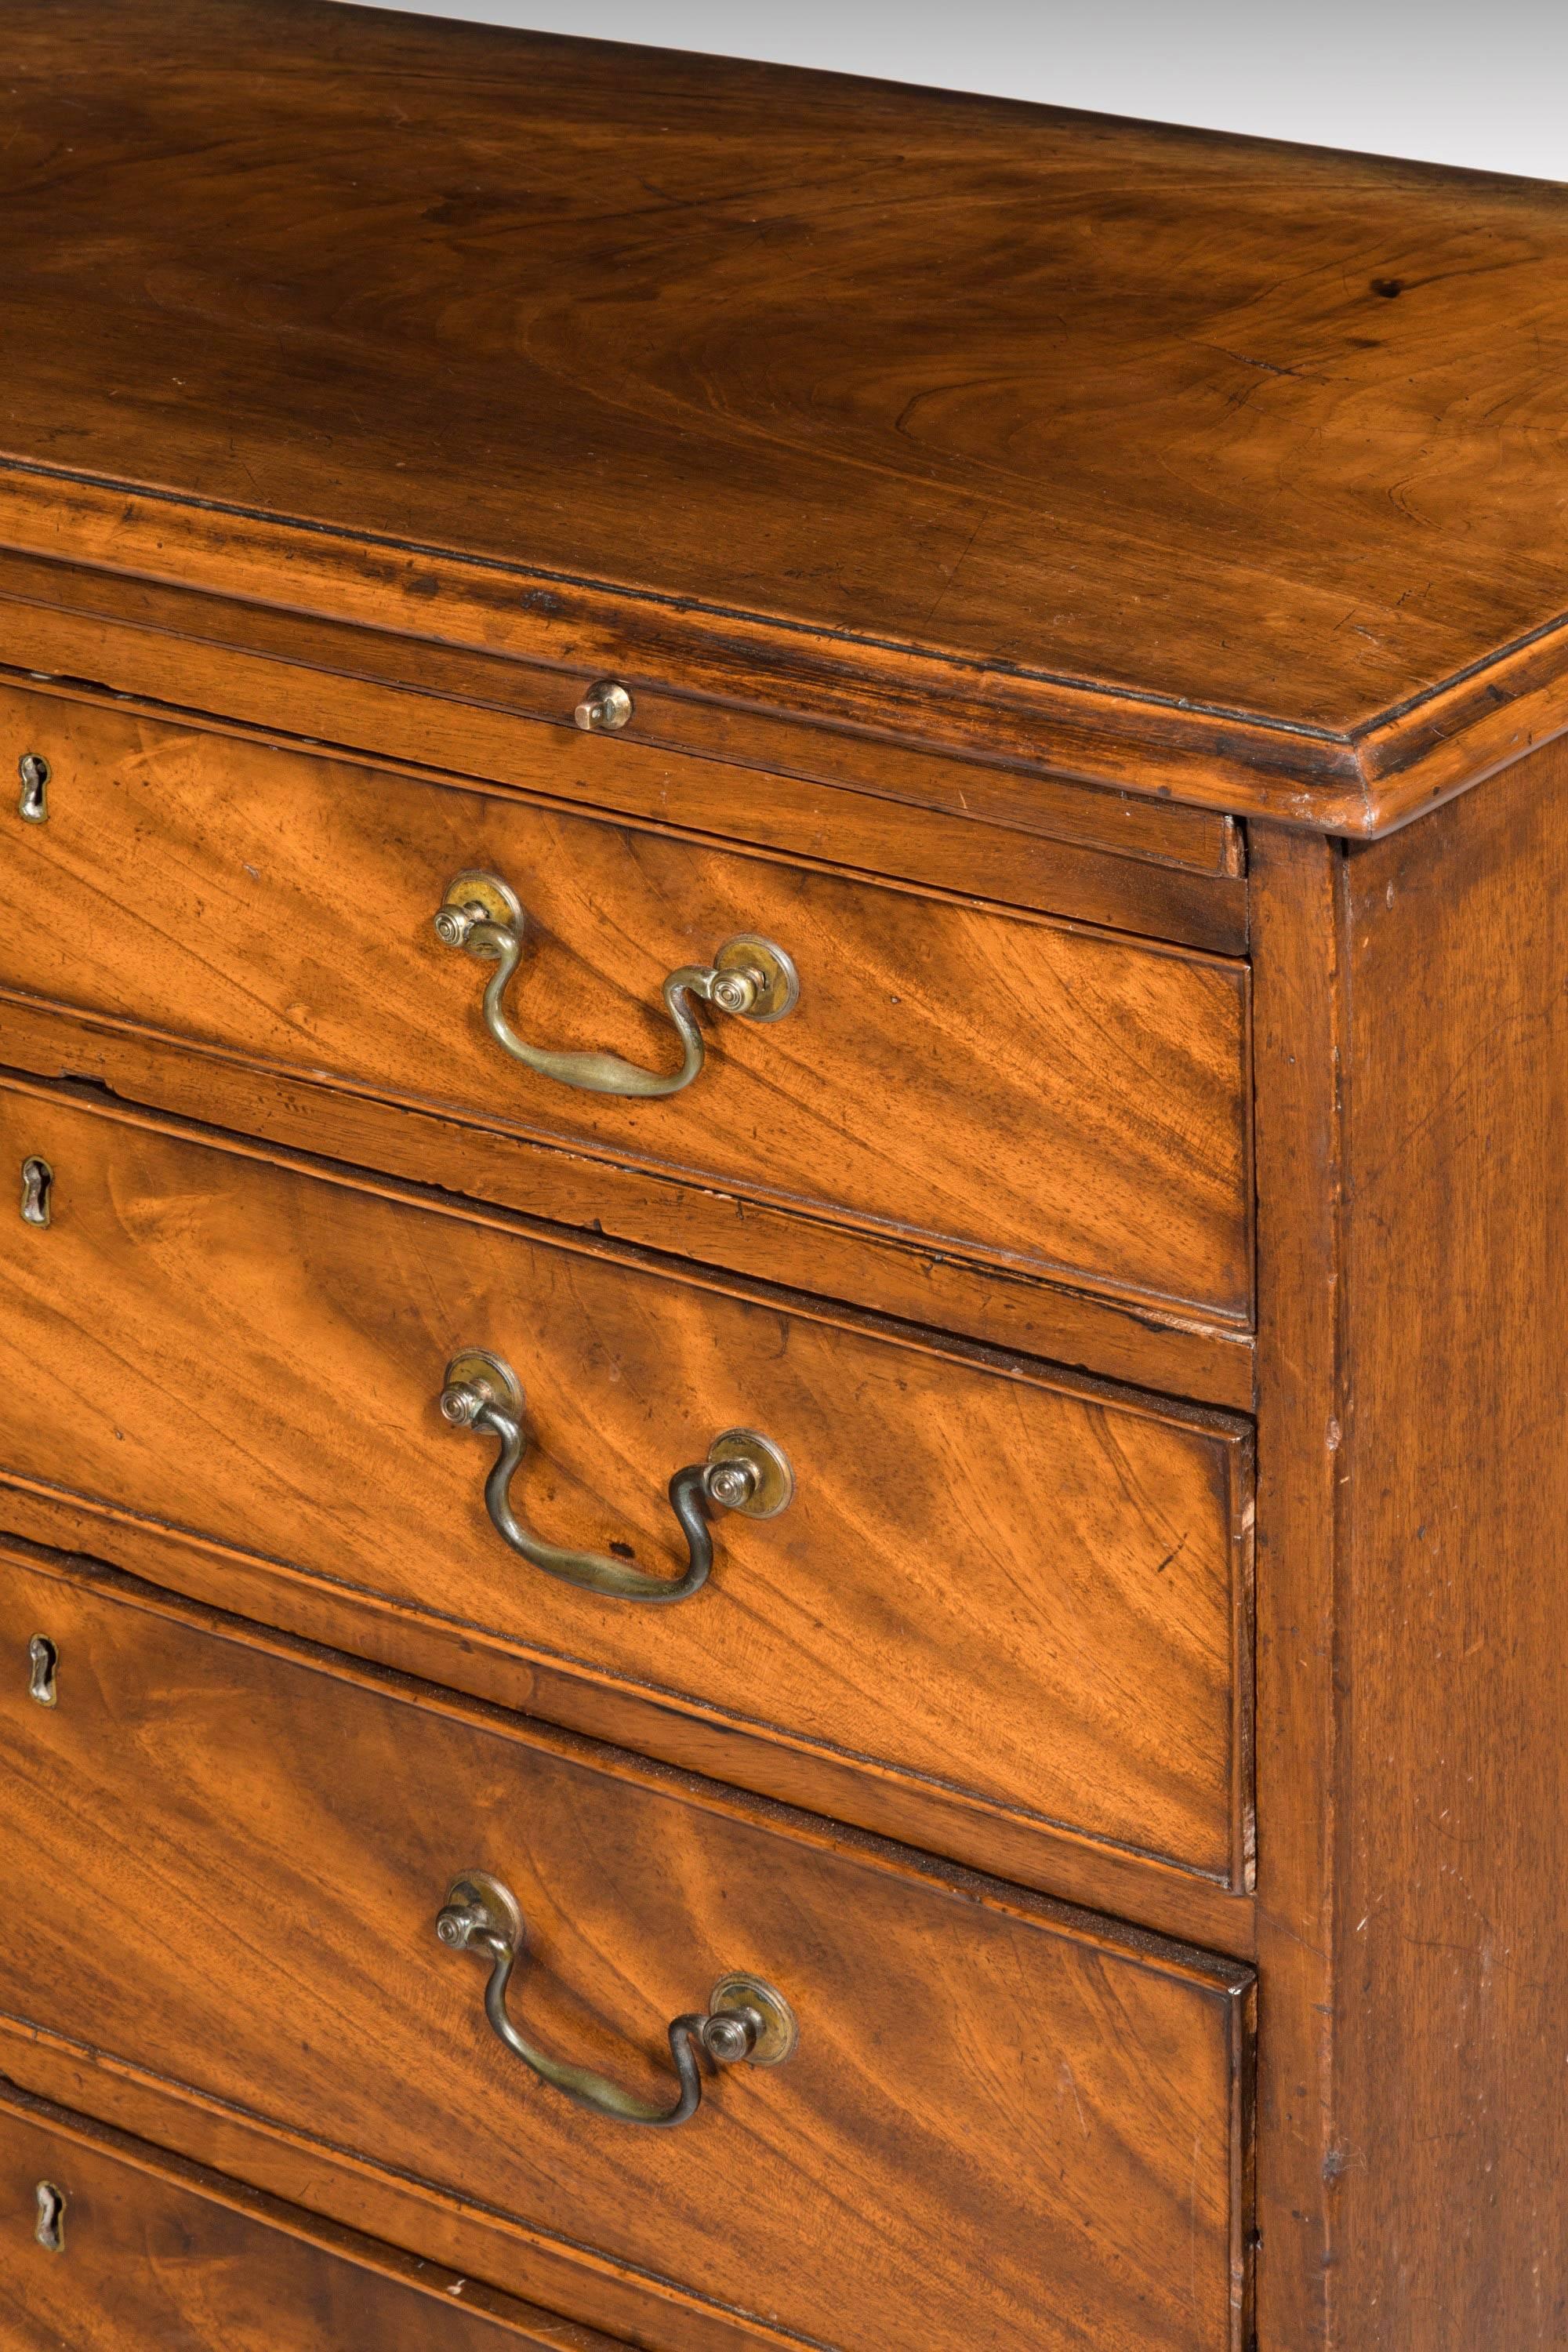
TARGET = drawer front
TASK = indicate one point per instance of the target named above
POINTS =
(1025, 1090)
(224, 1861)
(106, 2246)
(1030, 1592)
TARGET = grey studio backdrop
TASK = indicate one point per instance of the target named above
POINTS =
(1477, 82)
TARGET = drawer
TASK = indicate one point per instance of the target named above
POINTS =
(1003, 2126)
(111, 2246)
(1061, 1099)
(1028, 1592)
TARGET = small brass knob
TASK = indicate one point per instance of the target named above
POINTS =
(604, 709)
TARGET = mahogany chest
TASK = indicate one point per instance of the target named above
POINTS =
(784, 1059)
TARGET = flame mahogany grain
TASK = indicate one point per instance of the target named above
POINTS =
(166, 2253)
(1191, 464)
(1054, 558)
(1071, 1102)
(262, 1931)
(1014, 1597)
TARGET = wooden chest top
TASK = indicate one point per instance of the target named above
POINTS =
(1060, 438)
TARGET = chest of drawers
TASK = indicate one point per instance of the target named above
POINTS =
(783, 1002)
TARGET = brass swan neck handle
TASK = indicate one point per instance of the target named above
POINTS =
(743, 1471)
(747, 2022)
(748, 977)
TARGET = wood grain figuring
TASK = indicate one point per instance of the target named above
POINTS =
(165, 2253)
(1451, 2130)
(275, 1793)
(1361, 784)
(1032, 1598)
(293, 673)
(1093, 593)
(866, 831)
(1057, 1096)
(608, 1207)
(1302, 1418)
(345, 2191)
(42, 1523)
(1293, 413)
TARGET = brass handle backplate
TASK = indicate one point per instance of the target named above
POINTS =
(747, 2021)
(742, 1472)
(748, 977)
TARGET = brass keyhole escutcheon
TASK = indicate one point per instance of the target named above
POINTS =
(43, 1666)
(37, 1182)
(33, 801)
(49, 2228)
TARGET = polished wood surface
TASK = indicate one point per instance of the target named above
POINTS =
(1413, 1677)
(1030, 1598)
(341, 2191)
(1060, 1099)
(262, 1930)
(1050, 558)
(1223, 459)
(1452, 1776)
(1299, 1051)
(1080, 856)
(644, 1213)
(1170, 1900)
(1156, 866)
(165, 2255)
